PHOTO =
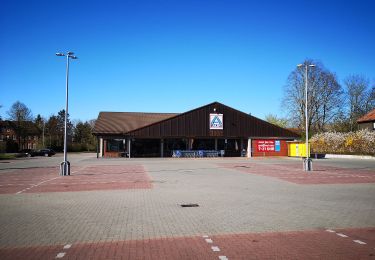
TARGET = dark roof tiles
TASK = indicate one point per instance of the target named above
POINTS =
(123, 122)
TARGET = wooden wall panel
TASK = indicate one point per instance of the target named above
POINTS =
(195, 123)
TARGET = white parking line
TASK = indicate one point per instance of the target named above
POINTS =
(215, 248)
(341, 235)
(223, 257)
(36, 185)
(330, 231)
(208, 240)
(67, 246)
(359, 242)
(60, 255)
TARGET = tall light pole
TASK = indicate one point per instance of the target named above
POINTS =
(307, 162)
(65, 165)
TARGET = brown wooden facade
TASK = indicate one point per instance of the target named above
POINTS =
(195, 125)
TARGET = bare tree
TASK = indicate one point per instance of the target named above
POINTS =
(360, 98)
(324, 97)
(273, 119)
(21, 116)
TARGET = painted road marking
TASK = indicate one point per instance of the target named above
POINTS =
(36, 185)
(205, 236)
(215, 248)
(208, 240)
(330, 231)
(67, 246)
(60, 255)
(341, 235)
(223, 257)
(359, 242)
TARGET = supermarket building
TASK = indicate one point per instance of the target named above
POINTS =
(211, 130)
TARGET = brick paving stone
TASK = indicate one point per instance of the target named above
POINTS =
(31, 253)
(317, 244)
(295, 245)
(293, 173)
(123, 220)
(363, 234)
(15, 180)
(106, 177)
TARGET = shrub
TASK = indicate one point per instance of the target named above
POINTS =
(359, 142)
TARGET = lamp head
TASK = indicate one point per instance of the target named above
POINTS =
(60, 54)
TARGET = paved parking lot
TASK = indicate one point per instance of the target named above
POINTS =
(95, 178)
(130, 209)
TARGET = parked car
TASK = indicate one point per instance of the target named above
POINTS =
(32, 153)
(44, 152)
(27, 153)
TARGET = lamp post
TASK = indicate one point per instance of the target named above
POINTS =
(65, 165)
(307, 164)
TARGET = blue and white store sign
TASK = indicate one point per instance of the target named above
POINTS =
(216, 121)
(277, 145)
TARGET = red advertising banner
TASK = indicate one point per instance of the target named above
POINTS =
(265, 145)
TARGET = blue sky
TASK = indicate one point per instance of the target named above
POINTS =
(173, 56)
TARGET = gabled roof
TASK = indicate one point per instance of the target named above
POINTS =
(193, 123)
(369, 117)
(123, 122)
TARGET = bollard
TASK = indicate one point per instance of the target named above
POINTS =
(65, 168)
(307, 164)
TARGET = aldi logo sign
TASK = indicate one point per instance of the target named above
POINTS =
(216, 121)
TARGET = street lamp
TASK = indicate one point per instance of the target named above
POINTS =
(65, 165)
(307, 164)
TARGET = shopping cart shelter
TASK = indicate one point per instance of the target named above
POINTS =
(208, 131)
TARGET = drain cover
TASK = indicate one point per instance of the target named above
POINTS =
(189, 205)
(241, 166)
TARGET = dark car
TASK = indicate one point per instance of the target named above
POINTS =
(27, 152)
(44, 152)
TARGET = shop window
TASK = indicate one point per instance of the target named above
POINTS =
(115, 145)
(204, 144)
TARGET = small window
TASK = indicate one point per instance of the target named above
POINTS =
(14, 137)
(373, 126)
(115, 145)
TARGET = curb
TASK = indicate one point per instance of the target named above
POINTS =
(347, 156)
